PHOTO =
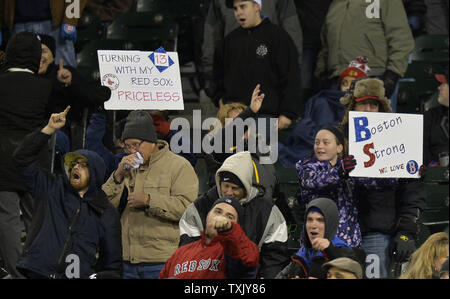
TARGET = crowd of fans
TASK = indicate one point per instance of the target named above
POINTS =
(113, 201)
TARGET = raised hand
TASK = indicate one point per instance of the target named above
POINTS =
(63, 75)
(257, 99)
(283, 122)
(56, 122)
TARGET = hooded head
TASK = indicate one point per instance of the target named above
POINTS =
(91, 168)
(365, 89)
(238, 168)
(329, 211)
(23, 51)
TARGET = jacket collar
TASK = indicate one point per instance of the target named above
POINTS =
(163, 149)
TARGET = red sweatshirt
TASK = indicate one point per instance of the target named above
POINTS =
(229, 255)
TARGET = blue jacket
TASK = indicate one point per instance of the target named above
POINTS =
(66, 229)
(94, 142)
(322, 109)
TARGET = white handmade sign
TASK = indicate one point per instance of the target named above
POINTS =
(141, 80)
(386, 145)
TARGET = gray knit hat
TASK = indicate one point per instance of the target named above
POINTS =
(139, 125)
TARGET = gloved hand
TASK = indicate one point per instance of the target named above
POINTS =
(68, 32)
(390, 81)
(422, 172)
(402, 247)
(347, 165)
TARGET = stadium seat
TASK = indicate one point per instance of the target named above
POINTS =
(431, 48)
(180, 8)
(435, 217)
(87, 58)
(89, 28)
(152, 29)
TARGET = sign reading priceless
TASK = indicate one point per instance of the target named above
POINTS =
(141, 80)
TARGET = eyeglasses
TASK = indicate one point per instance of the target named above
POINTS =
(82, 164)
(133, 146)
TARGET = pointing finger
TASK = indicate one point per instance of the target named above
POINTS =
(61, 65)
(66, 110)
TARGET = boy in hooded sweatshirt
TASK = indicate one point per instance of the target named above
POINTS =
(320, 242)
(262, 221)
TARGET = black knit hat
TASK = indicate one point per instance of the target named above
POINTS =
(49, 41)
(139, 125)
(336, 132)
(232, 201)
(227, 176)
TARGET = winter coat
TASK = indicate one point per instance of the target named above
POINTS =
(435, 133)
(320, 179)
(307, 262)
(66, 225)
(264, 55)
(312, 15)
(322, 109)
(151, 235)
(94, 142)
(23, 103)
(230, 255)
(57, 8)
(392, 211)
(220, 21)
(354, 28)
(263, 222)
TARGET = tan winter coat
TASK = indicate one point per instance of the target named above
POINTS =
(152, 235)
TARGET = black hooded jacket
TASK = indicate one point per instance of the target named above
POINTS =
(23, 102)
(65, 225)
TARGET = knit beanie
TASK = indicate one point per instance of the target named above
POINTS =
(232, 201)
(227, 176)
(139, 125)
(49, 41)
(357, 68)
(230, 3)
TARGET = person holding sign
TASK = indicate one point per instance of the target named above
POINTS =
(326, 174)
(387, 216)
(69, 88)
(76, 232)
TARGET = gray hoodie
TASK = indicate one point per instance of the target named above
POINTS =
(331, 215)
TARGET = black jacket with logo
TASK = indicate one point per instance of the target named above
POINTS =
(264, 55)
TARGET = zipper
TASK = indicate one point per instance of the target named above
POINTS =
(66, 243)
